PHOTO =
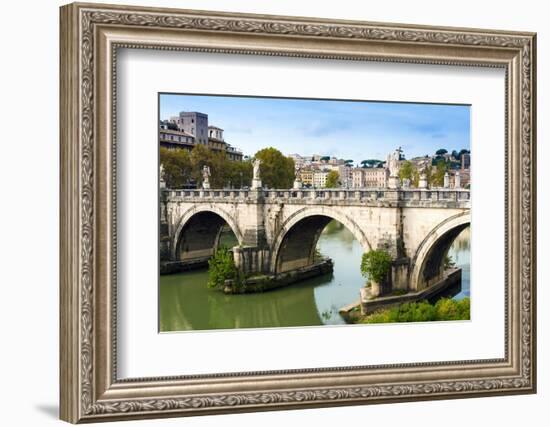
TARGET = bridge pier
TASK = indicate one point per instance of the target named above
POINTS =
(252, 259)
(400, 275)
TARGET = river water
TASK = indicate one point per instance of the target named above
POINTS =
(187, 304)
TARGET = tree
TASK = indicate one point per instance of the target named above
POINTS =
(409, 171)
(325, 158)
(376, 264)
(276, 170)
(177, 168)
(221, 267)
(333, 180)
(455, 155)
(370, 163)
(238, 174)
(428, 171)
(181, 167)
(437, 177)
(463, 151)
(201, 156)
(441, 151)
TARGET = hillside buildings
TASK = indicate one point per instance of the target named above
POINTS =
(313, 170)
(191, 128)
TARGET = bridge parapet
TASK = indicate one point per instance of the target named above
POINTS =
(433, 197)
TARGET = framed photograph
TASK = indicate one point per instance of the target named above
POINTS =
(266, 212)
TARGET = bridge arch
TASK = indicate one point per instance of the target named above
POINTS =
(207, 221)
(428, 258)
(300, 232)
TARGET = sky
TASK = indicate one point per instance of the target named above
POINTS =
(356, 130)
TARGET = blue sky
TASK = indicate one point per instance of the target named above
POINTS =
(344, 129)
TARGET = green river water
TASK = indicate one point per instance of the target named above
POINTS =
(187, 304)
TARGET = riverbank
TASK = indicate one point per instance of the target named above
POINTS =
(451, 279)
(265, 283)
(175, 267)
(422, 311)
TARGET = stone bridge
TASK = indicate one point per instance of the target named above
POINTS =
(277, 230)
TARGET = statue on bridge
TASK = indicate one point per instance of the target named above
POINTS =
(297, 178)
(206, 177)
(393, 160)
(392, 163)
(256, 180)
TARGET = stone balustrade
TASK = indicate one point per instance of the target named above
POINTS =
(432, 196)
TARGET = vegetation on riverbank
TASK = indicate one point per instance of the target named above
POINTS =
(223, 275)
(376, 265)
(221, 267)
(422, 311)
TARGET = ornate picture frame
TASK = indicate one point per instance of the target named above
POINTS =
(90, 37)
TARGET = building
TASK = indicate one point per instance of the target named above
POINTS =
(193, 123)
(320, 178)
(464, 177)
(299, 161)
(344, 173)
(376, 177)
(369, 177)
(465, 161)
(174, 139)
(357, 178)
(215, 133)
(306, 176)
(191, 128)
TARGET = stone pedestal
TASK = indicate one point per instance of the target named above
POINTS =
(446, 180)
(393, 182)
(423, 182)
(256, 184)
(206, 185)
(457, 180)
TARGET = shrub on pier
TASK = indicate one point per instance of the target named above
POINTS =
(221, 267)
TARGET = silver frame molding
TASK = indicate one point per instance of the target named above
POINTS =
(90, 37)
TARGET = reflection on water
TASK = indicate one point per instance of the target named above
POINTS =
(460, 254)
(187, 304)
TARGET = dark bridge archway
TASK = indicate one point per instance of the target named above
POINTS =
(198, 234)
(428, 260)
(295, 244)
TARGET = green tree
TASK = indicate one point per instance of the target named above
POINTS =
(238, 174)
(438, 175)
(370, 163)
(217, 161)
(276, 170)
(333, 180)
(441, 151)
(428, 171)
(409, 171)
(221, 267)
(177, 168)
(375, 264)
